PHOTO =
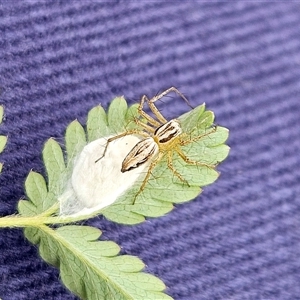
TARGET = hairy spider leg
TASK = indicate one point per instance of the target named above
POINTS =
(146, 126)
(154, 109)
(171, 167)
(170, 159)
(133, 131)
(151, 167)
(161, 95)
(186, 142)
(191, 140)
(151, 120)
(169, 90)
(192, 162)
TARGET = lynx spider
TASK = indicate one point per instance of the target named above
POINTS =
(161, 137)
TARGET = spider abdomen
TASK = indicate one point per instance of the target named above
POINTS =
(139, 154)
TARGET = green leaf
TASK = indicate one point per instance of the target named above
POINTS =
(36, 189)
(37, 193)
(41, 195)
(210, 148)
(97, 125)
(189, 119)
(204, 144)
(131, 115)
(123, 213)
(3, 141)
(75, 140)
(54, 163)
(116, 115)
(56, 170)
(26, 208)
(1, 113)
(91, 268)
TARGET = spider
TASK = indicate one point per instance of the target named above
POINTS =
(161, 138)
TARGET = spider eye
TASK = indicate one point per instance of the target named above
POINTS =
(139, 154)
(168, 131)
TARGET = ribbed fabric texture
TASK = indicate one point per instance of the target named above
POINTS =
(240, 239)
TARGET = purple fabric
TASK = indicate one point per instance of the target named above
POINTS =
(240, 239)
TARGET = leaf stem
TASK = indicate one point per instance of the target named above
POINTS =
(38, 220)
(19, 221)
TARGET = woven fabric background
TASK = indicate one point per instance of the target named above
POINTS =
(240, 239)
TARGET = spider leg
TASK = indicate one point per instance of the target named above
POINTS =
(169, 90)
(146, 126)
(151, 120)
(192, 162)
(161, 119)
(151, 167)
(171, 167)
(191, 140)
(133, 131)
(154, 109)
